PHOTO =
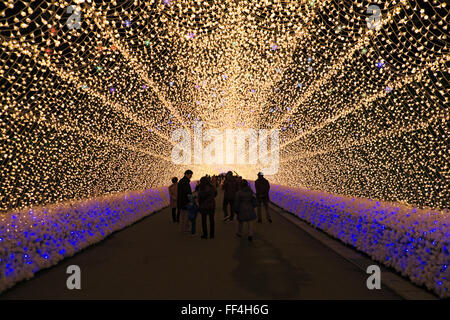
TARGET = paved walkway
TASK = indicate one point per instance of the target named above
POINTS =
(153, 260)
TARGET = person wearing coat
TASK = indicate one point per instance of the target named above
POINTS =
(183, 192)
(173, 191)
(230, 188)
(262, 188)
(207, 204)
(244, 206)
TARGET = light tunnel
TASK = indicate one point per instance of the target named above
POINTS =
(343, 105)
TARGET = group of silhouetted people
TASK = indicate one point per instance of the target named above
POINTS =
(238, 196)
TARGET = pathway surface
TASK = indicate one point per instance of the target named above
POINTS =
(152, 259)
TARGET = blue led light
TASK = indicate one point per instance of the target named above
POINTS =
(406, 245)
(54, 234)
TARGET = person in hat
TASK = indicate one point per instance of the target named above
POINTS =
(262, 188)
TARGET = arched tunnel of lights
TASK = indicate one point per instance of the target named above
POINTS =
(90, 98)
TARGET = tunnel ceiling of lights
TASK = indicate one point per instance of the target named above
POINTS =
(89, 110)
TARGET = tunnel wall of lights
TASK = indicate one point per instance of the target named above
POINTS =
(91, 92)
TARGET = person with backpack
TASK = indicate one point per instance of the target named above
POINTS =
(262, 188)
(244, 206)
(207, 205)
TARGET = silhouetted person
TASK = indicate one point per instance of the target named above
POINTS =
(207, 204)
(214, 181)
(184, 189)
(262, 188)
(244, 205)
(230, 188)
(192, 212)
(238, 183)
(173, 191)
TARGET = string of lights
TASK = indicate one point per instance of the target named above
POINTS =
(91, 92)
